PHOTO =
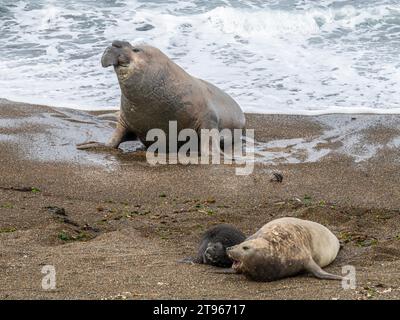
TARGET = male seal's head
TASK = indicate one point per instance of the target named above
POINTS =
(130, 60)
(121, 54)
(139, 67)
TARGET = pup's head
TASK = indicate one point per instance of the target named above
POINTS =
(215, 254)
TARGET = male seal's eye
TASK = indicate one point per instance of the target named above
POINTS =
(246, 248)
(136, 50)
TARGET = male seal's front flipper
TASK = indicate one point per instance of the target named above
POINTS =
(317, 271)
(90, 145)
(120, 134)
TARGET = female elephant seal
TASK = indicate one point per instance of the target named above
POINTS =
(285, 247)
(213, 245)
(155, 91)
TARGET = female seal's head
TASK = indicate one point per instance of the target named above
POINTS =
(241, 252)
(252, 258)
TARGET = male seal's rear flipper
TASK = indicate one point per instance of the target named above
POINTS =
(316, 270)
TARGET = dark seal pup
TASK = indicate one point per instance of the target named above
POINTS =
(155, 91)
(286, 247)
(213, 244)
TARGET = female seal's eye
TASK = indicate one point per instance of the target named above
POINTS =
(246, 248)
(136, 50)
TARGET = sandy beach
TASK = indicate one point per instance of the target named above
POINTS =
(114, 226)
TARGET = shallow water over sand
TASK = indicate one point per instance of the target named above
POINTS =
(51, 134)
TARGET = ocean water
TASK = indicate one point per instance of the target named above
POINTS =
(277, 56)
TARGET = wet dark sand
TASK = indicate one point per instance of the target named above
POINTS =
(126, 222)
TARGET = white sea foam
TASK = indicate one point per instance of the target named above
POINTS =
(293, 57)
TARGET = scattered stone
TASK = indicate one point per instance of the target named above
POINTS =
(278, 177)
(76, 235)
(87, 227)
(208, 212)
(56, 210)
(210, 200)
(69, 221)
(223, 206)
(121, 296)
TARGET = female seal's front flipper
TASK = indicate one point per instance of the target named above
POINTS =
(312, 267)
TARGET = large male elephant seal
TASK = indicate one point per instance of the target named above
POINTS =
(155, 90)
(285, 247)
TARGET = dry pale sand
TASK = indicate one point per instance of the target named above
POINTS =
(126, 222)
